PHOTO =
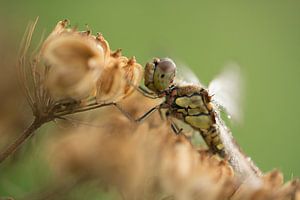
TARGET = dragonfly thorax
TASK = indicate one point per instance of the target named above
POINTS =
(159, 74)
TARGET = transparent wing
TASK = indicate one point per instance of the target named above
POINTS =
(226, 91)
(185, 76)
(243, 166)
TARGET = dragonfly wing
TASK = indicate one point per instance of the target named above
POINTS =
(245, 169)
(226, 91)
(185, 76)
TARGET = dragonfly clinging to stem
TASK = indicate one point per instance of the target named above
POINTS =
(197, 107)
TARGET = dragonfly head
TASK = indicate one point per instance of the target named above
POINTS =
(159, 74)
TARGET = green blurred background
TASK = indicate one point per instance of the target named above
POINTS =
(262, 36)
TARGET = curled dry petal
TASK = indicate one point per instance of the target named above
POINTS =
(119, 78)
(75, 62)
(133, 75)
(112, 81)
(82, 65)
(148, 161)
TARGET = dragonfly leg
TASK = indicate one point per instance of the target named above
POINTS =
(174, 126)
(146, 92)
(148, 114)
(140, 119)
(176, 129)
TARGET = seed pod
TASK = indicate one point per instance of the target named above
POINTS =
(133, 75)
(75, 60)
(118, 79)
(112, 81)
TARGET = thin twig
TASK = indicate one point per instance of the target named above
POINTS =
(86, 108)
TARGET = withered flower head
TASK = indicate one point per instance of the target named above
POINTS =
(75, 71)
(110, 86)
(71, 72)
(148, 161)
(82, 65)
(75, 62)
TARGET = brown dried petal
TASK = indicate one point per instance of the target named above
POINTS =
(75, 64)
(111, 83)
(119, 78)
(133, 76)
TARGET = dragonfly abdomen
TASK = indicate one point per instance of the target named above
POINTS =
(206, 126)
(213, 140)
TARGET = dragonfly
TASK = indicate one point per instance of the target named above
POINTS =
(200, 108)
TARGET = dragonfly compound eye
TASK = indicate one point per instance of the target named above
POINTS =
(164, 74)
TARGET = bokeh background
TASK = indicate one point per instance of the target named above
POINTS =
(262, 36)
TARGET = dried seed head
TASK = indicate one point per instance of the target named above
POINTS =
(142, 162)
(119, 78)
(133, 75)
(112, 80)
(76, 66)
(148, 161)
(75, 62)
(82, 65)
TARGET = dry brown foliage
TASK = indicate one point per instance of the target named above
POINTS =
(71, 72)
(148, 161)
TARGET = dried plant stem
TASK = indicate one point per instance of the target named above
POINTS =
(35, 124)
(92, 106)
(39, 121)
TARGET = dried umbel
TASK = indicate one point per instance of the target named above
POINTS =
(75, 62)
(148, 161)
(110, 86)
(71, 72)
(82, 65)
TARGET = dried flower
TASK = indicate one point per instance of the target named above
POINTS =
(72, 72)
(148, 161)
(110, 87)
(75, 60)
(82, 65)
